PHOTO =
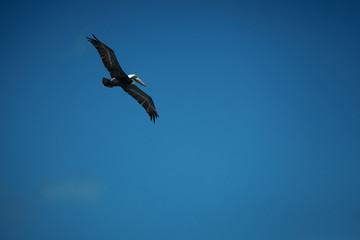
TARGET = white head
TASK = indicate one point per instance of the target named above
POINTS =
(134, 79)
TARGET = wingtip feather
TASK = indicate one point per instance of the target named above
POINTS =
(95, 37)
(153, 116)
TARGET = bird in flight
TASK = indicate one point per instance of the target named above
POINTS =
(120, 79)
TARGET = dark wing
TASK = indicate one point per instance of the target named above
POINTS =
(142, 98)
(108, 57)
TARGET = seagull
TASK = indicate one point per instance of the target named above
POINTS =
(120, 79)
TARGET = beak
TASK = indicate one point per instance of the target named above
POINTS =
(141, 82)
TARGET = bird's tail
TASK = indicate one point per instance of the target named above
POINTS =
(106, 82)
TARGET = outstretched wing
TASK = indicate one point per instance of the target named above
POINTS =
(142, 98)
(108, 58)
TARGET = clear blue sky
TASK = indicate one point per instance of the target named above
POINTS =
(258, 135)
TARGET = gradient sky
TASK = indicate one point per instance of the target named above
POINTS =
(258, 135)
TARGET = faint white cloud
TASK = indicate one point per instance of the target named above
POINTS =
(13, 207)
(73, 189)
(75, 46)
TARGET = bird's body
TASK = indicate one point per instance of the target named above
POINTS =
(120, 79)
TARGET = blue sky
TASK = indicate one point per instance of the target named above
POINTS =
(258, 135)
